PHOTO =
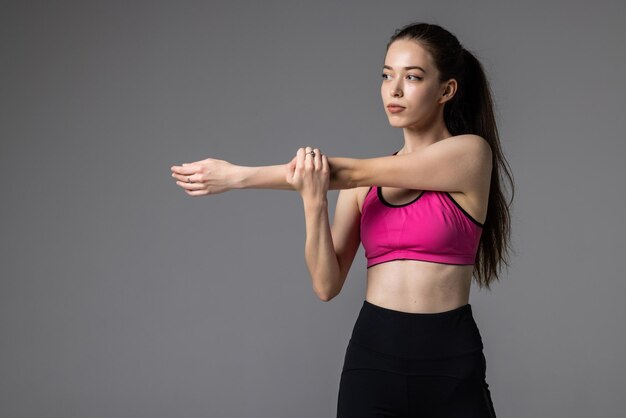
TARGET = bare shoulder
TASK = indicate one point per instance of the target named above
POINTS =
(475, 144)
(479, 154)
(475, 199)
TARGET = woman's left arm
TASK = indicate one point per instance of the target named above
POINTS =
(213, 176)
(452, 164)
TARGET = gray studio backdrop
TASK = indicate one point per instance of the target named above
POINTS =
(121, 296)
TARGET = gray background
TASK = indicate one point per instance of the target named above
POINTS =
(121, 296)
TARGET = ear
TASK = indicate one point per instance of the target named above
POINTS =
(448, 90)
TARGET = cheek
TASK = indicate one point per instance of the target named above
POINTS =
(425, 98)
(433, 93)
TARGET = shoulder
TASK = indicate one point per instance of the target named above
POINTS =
(474, 147)
(470, 143)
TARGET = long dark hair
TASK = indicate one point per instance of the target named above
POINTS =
(470, 111)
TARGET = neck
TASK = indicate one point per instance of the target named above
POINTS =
(416, 137)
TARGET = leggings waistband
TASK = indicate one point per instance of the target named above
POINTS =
(417, 335)
(416, 316)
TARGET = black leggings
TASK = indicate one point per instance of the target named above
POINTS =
(402, 364)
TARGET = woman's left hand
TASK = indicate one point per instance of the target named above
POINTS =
(206, 177)
(309, 175)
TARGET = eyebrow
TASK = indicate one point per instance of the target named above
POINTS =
(407, 68)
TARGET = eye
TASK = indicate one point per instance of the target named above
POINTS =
(411, 75)
(384, 75)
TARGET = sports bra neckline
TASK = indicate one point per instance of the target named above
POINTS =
(379, 193)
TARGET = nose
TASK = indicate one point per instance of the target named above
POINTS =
(396, 91)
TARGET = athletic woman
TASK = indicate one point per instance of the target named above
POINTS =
(431, 217)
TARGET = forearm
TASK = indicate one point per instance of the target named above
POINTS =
(264, 177)
(274, 176)
(320, 255)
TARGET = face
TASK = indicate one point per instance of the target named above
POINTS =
(418, 90)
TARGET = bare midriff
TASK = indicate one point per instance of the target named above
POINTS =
(418, 286)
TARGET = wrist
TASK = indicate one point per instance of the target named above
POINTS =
(242, 177)
(317, 202)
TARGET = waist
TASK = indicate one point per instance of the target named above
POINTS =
(417, 335)
(418, 286)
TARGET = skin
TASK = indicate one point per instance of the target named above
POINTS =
(403, 285)
(413, 285)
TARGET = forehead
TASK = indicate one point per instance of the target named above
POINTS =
(406, 52)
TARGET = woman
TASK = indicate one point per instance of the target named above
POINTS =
(430, 217)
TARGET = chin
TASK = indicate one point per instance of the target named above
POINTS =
(397, 124)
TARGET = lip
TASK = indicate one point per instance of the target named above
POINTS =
(395, 108)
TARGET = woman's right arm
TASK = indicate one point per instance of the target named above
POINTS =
(345, 233)
(329, 251)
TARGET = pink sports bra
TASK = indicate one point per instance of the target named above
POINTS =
(432, 227)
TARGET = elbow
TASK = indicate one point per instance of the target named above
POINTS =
(328, 286)
(326, 296)
(323, 298)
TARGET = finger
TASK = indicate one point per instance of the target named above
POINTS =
(190, 186)
(308, 161)
(300, 158)
(317, 160)
(325, 169)
(186, 178)
(293, 160)
(196, 192)
(291, 167)
(186, 169)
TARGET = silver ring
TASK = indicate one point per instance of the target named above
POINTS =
(188, 179)
(312, 153)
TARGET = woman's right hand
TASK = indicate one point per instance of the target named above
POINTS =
(310, 176)
(205, 177)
